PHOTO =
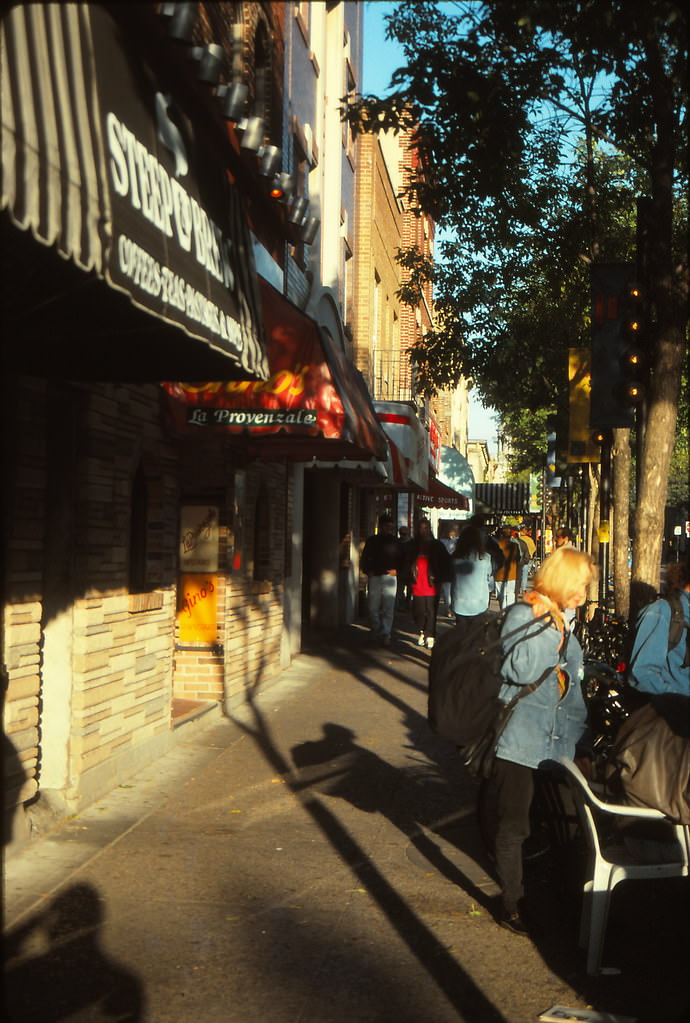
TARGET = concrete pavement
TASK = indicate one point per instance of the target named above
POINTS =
(314, 859)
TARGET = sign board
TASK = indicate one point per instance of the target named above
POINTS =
(199, 538)
(197, 609)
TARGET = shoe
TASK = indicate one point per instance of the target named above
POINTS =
(386, 640)
(420, 641)
(430, 642)
(513, 922)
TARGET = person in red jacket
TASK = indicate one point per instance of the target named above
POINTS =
(430, 567)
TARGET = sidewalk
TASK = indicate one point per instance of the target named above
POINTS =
(313, 860)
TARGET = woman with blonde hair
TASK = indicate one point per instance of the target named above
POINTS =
(549, 722)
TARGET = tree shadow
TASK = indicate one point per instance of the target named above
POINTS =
(55, 966)
(647, 935)
(455, 983)
(419, 801)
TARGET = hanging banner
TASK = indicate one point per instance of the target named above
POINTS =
(581, 448)
(197, 609)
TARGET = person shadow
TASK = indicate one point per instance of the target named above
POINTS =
(421, 803)
(55, 967)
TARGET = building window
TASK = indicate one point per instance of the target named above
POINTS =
(300, 171)
(348, 284)
(350, 90)
(262, 74)
(138, 529)
(262, 535)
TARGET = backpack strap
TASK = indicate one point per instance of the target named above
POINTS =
(678, 626)
(530, 688)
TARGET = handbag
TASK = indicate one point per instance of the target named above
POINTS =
(650, 762)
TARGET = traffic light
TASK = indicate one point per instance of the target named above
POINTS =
(634, 361)
(616, 321)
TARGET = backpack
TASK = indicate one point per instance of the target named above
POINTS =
(464, 685)
(677, 627)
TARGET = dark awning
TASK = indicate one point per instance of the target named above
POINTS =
(109, 162)
(439, 495)
(502, 498)
(315, 404)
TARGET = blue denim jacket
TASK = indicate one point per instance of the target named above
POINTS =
(653, 667)
(544, 726)
(472, 583)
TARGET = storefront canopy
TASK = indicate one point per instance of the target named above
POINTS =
(456, 472)
(438, 495)
(112, 160)
(314, 406)
(409, 455)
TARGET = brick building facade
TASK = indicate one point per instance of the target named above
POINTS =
(109, 637)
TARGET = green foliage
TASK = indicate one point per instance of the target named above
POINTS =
(535, 121)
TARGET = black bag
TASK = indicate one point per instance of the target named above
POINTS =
(464, 683)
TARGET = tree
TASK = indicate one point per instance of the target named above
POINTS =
(501, 92)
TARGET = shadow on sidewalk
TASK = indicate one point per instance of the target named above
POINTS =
(56, 970)
(648, 937)
(448, 975)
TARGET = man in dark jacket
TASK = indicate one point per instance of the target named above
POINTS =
(381, 561)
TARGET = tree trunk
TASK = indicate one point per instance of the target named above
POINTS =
(621, 520)
(656, 461)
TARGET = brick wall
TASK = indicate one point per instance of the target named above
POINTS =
(74, 453)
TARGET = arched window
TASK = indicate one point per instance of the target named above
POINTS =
(138, 528)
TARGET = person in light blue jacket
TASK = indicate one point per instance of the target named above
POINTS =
(654, 668)
(548, 723)
(472, 575)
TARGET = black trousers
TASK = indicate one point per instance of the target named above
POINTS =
(424, 610)
(514, 793)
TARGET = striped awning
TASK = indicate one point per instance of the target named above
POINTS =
(53, 172)
(403, 427)
(112, 160)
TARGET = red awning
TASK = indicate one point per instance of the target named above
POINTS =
(398, 466)
(441, 496)
(315, 404)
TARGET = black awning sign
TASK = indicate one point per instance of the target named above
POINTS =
(180, 244)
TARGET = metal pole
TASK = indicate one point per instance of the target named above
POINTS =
(604, 520)
(644, 219)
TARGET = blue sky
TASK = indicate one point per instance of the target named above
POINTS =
(381, 58)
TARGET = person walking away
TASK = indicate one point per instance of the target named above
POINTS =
(507, 574)
(548, 723)
(381, 560)
(473, 580)
(491, 544)
(449, 543)
(430, 565)
(404, 594)
(529, 548)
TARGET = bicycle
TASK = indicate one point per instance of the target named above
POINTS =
(603, 635)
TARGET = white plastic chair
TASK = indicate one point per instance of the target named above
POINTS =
(611, 863)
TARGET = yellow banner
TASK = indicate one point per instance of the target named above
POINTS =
(197, 609)
(580, 445)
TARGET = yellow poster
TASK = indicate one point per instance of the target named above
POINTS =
(197, 609)
(581, 448)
